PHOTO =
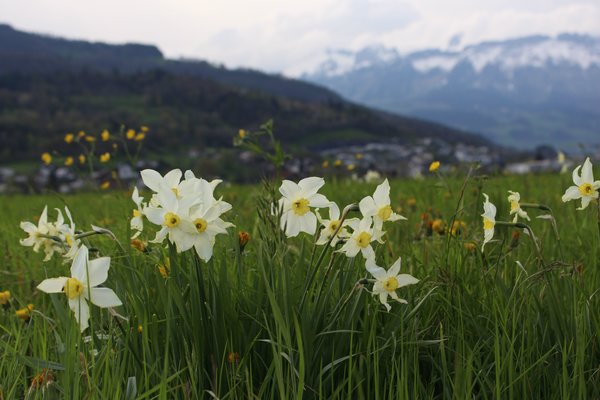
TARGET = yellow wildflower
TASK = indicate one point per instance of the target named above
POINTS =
(69, 161)
(90, 139)
(144, 128)
(438, 226)
(105, 135)
(470, 246)
(81, 159)
(244, 238)
(165, 269)
(25, 312)
(359, 156)
(325, 164)
(130, 134)
(138, 244)
(337, 163)
(242, 133)
(458, 228)
(434, 166)
(233, 357)
(81, 134)
(46, 158)
(4, 297)
(140, 329)
(350, 167)
(140, 136)
(105, 185)
(104, 158)
(69, 137)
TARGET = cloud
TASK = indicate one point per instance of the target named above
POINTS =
(294, 36)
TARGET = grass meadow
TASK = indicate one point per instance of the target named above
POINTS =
(285, 319)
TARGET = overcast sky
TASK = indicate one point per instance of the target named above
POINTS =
(293, 36)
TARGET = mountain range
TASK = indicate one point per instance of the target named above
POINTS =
(520, 92)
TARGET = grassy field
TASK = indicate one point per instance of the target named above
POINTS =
(508, 323)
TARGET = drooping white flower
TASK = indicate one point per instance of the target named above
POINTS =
(329, 226)
(68, 236)
(297, 200)
(387, 282)
(515, 208)
(82, 286)
(378, 206)
(364, 232)
(489, 220)
(41, 236)
(137, 220)
(585, 187)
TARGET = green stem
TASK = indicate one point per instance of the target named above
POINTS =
(315, 268)
(529, 230)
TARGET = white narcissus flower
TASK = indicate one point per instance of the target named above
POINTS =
(39, 236)
(81, 287)
(206, 224)
(515, 208)
(364, 232)
(173, 216)
(378, 206)
(297, 200)
(585, 187)
(387, 282)
(329, 226)
(489, 220)
(156, 182)
(137, 220)
(67, 234)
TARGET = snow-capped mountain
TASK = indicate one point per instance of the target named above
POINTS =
(532, 90)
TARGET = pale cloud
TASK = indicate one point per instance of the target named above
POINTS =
(293, 37)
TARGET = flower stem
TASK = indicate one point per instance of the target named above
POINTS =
(529, 230)
(347, 209)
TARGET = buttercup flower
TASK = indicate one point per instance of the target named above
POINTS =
(378, 206)
(69, 161)
(330, 225)
(105, 135)
(69, 137)
(489, 220)
(297, 200)
(82, 286)
(360, 241)
(515, 207)
(585, 187)
(387, 282)
(130, 134)
(46, 158)
(104, 158)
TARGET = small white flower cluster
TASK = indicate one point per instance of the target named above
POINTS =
(52, 237)
(186, 210)
(295, 206)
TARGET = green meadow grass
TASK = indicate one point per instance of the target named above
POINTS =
(254, 325)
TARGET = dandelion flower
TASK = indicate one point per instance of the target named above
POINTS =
(81, 159)
(378, 206)
(242, 134)
(69, 161)
(46, 158)
(105, 135)
(69, 137)
(434, 166)
(489, 220)
(139, 136)
(25, 312)
(105, 185)
(4, 297)
(585, 187)
(130, 134)
(387, 282)
(89, 139)
(82, 286)
(296, 202)
(515, 208)
(104, 158)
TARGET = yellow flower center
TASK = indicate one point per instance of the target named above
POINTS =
(363, 239)
(333, 225)
(586, 189)
(300, 206)
(176, 191)
(390, 284)
(73, 288)
(385, 212)
(171, 220)
(136, 213)
(200, 225)
(514, 205)
(488, 223)
(69, 239)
